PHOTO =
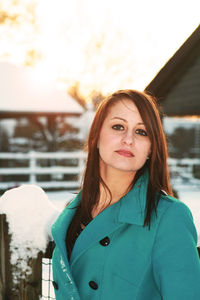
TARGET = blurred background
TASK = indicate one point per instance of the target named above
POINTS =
(58, 59)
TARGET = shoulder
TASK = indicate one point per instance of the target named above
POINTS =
(174, 254)
(174, 216)
(168, 204)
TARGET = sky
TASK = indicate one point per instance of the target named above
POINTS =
(98, 46)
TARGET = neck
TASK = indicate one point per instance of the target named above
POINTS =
(118, 183)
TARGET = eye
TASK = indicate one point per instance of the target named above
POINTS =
(118, 127)
(141, 132)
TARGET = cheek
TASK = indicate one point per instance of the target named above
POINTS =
(149, 148)
(144, 148)
(103, 144)
(105, 138)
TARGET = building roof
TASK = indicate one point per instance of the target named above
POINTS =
(177, 84)
(21, 95)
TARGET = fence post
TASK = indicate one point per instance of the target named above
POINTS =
(5, 270)
(32, 166)
(26, 289)
(81, 164)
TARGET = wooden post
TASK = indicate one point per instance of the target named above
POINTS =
(32, 166)
(26, 289)
(5, 267)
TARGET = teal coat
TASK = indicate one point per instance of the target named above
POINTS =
(116, 258)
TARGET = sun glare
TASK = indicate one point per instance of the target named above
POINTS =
(43, 74)
(102, 45)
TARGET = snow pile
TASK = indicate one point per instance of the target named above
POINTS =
(29, 214)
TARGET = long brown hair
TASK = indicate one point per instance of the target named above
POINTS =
(157, 164)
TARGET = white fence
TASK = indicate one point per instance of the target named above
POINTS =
(33, 169)
(181, 169)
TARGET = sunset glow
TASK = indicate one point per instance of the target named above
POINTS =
(102, 45)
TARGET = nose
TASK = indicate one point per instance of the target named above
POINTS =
(128, 138)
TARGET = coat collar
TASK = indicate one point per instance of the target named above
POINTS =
(133, 204)
(129, 209)
(101, 226)
(59, 228)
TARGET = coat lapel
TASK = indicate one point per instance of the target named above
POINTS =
(133, 205)
(59, 228)
(130, 209)
(100, 227)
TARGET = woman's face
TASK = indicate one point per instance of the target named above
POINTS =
(123, 142)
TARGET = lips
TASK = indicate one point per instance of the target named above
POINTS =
(125, 153)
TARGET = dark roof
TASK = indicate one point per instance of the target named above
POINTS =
(183, 62)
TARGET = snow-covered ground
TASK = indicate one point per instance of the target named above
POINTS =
(60, 198)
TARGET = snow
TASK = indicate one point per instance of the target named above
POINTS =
(84, 122)
(8, 125)
(30, 215)
(61, 198)
(171, 123)
(26, 95)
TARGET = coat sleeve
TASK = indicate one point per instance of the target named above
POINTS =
(176, 263)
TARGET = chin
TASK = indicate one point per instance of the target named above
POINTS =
(128, 170)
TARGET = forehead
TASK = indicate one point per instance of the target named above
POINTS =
(124, 108)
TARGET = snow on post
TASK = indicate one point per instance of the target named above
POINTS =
(29, 214)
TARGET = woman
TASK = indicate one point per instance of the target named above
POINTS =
(124, 236)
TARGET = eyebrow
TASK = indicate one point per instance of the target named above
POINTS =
(140, 123)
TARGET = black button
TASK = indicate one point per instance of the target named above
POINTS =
(55, 285)
(93, 285)
(105, 241)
